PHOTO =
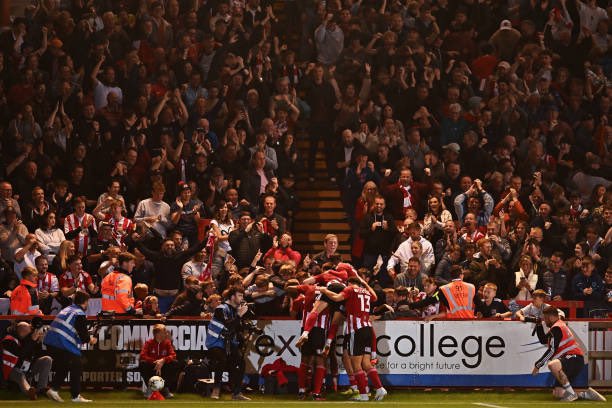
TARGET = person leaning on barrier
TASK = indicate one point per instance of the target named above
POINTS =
(19, 348)
(223, 341)
(457, 296)
(117, 293)
(24, 299)
(64, 339)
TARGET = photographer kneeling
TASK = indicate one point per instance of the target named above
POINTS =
(224, 342)
(19, 349)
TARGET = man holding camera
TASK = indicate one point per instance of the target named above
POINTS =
(19, 349)
(224, 341)
(63, 340)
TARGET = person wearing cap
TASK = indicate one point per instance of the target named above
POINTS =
(505, 40)
(185, 213)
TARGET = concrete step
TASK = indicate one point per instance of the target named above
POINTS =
(306, 237)
(318, 194)
(315, 215)
(320, 204)
(329, 227)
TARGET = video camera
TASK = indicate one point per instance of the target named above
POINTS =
(103, 318)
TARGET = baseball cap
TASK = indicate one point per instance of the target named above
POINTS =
(505, 25)
(452, 146)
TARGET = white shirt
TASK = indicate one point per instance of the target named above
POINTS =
(149, 208)
(404, 253)
(225, 230)
(101, 92)
(28, 260)
(50, 241)
(192, 268)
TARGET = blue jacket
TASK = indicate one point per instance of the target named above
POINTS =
(64, 332)
(224, 321)
(581, 282)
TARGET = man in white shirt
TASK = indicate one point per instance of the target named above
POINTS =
(404, 252)
(26, 255)
(154, 212)
(102, 89)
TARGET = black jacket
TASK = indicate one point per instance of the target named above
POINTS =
(378, 242)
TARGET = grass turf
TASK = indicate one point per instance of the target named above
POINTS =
(398, 398)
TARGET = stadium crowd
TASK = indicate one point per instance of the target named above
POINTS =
(467, 134)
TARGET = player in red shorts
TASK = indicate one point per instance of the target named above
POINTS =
(357, 297)
(342, 272)
(312, 349)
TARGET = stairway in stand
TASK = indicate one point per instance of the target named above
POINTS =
(321, 211)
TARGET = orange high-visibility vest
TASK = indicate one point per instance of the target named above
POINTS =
(24, 299)
(568, 344)
(117, 293)
(460, 297)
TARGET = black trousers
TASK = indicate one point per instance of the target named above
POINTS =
(232, 362)
(63, 363)
(169, 373)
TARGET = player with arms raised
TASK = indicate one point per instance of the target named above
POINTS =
(357, 297)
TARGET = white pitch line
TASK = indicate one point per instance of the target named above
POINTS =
(482, 404)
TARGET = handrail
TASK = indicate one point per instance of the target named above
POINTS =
(572, 305)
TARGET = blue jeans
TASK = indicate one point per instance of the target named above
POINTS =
(164, 303)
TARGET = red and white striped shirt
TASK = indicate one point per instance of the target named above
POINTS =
(82, 241)
(121, 228)
(357, 304)
(82, 281)
(48, 283)
(311, 295)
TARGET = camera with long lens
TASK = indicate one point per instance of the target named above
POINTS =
(248, 327)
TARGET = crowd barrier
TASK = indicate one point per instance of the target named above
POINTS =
(474, 353)
(95, 306)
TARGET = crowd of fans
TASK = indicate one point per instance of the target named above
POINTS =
(466, 134)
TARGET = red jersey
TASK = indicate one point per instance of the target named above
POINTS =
(357, 305)
(66, 280)
(311, 295)
(323, 279)
(152, 350)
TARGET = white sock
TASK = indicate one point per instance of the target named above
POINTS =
(353, 387)
(568, 387)
(302, 390)
(305, 333)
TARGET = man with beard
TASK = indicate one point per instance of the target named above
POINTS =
(168, 264)
(246, 240)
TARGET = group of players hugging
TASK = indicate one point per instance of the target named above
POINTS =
(329, 300)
